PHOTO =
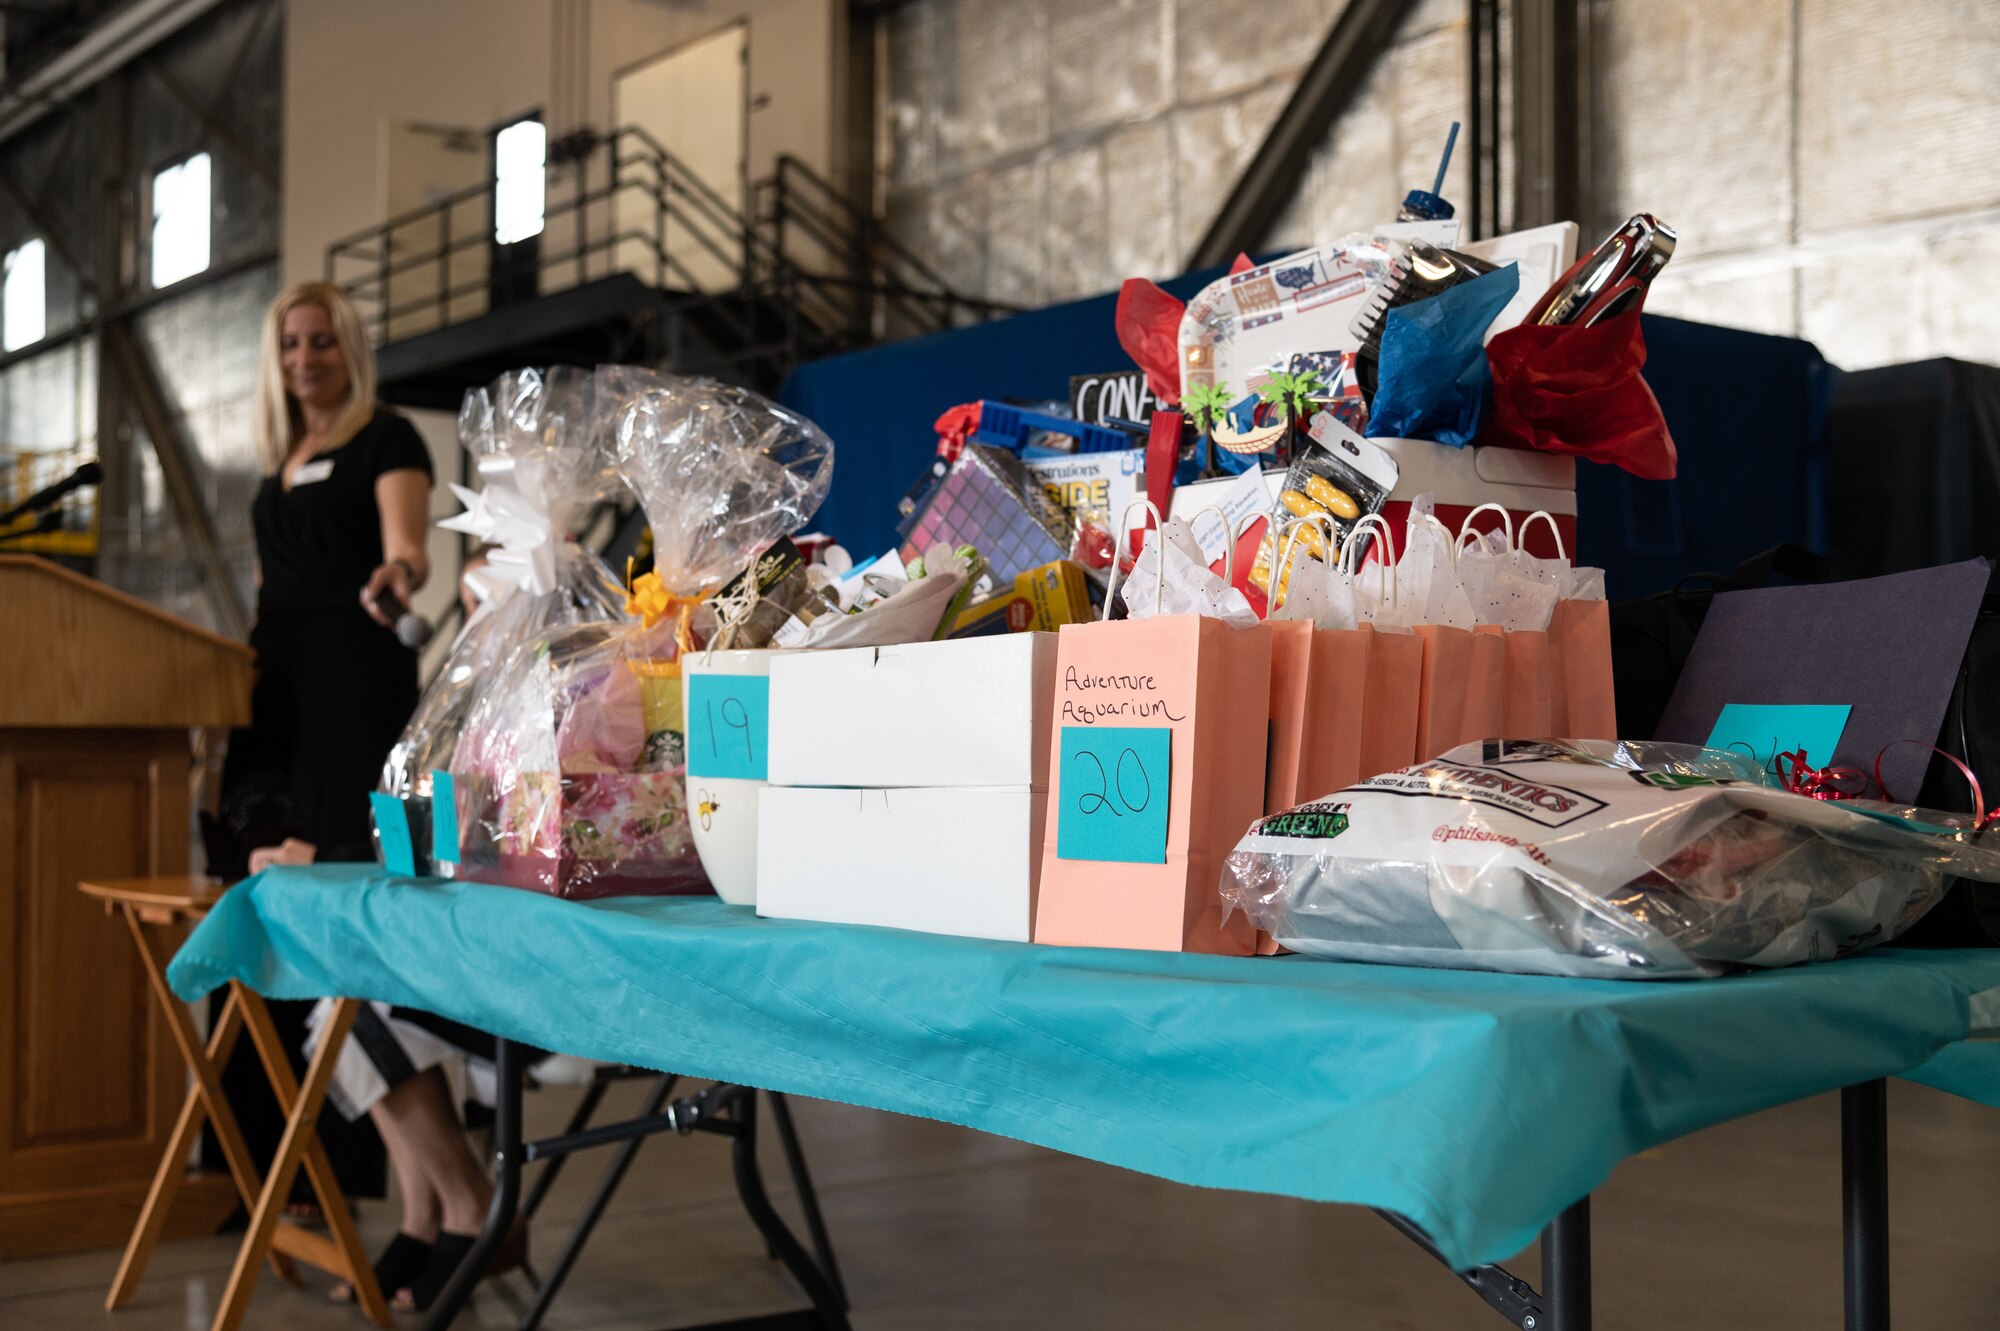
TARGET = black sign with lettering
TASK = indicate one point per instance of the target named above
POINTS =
(1096, 398)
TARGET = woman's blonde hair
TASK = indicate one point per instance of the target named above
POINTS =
(278, 419)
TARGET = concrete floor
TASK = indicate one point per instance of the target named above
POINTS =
(940, 1227)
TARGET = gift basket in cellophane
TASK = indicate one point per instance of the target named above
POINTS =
(541, 442)
(572, 765)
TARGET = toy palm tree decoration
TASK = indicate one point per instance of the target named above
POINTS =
(1294, 393)
(1205, 405)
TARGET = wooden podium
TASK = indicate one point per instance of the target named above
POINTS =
(98, 693)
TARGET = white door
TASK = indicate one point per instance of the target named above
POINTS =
(692, 101)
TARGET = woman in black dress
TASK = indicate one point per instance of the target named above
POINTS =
(339, 522)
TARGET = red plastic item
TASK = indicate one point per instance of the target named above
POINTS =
(954, 428)
(1149, 328)
(1568, 389)
(1163, 458)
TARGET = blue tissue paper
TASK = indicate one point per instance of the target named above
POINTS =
(1434, 382)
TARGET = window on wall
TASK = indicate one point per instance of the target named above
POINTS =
(181, 212)
(520, 153)
(24, 307)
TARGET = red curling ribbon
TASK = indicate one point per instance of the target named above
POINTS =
(1821, 783)
(1982, 817)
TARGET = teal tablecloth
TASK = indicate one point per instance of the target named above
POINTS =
(1477, 1105)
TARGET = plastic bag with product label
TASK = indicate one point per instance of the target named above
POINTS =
(1594, 859)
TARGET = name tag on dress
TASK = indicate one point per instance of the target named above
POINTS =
(316, 470)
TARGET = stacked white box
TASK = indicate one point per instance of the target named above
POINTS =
(908, 784)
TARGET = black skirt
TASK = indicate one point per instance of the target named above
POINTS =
(334, 690)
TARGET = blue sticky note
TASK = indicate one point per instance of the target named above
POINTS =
(728, 722)
(444, 818)
(1766, 731)
(1117, 784)
(392, 824)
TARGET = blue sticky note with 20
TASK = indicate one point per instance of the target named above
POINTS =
(728, 723)
(1117, 785)
(392, 825)
(444, 818)
(1768, 730)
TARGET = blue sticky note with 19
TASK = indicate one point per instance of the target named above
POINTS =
(392, 824)
(1765, 731)
(444, 818)
(1117, 784)
(728, 722)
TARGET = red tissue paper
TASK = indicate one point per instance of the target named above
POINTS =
(1570, 389)
(1149, 328)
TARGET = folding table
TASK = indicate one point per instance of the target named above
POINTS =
(1478, 1111)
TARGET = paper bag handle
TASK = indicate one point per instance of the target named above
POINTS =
(1431, 520)
(1507, 519)
(1377, 522)
(1229, 536)
(1554, 531)
(1291, 541)
(1117, 551)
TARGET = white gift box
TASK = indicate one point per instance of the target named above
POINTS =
(961, 861)
(974, 712)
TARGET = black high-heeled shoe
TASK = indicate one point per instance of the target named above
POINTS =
(445, 1256)
(397, 1266)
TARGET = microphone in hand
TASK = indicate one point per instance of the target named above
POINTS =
(412, 629)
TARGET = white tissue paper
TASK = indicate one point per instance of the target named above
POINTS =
(1505, 586)
(1189, 587)
(1427, 585)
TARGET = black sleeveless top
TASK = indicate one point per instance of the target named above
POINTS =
(318, 543)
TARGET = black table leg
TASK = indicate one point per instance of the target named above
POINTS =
(510, 1069)
(1566, 1269)
(1864, 1198)
(593, 1210)
(795, 1159)
(828, 1302)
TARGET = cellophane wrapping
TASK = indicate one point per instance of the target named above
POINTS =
(574, 756)
(1594, 859)
(542, 449)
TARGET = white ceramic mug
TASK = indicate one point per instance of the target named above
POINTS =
(723, 809)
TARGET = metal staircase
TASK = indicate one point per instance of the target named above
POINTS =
(639, 260)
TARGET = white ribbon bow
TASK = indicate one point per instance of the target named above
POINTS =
(511, 513)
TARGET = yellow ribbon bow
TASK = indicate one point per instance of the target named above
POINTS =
(648, 598)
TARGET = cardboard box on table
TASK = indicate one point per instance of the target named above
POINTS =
(908, 785)
(940, 860)
(969, 712)
(1459, 480)
(1205, 688)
